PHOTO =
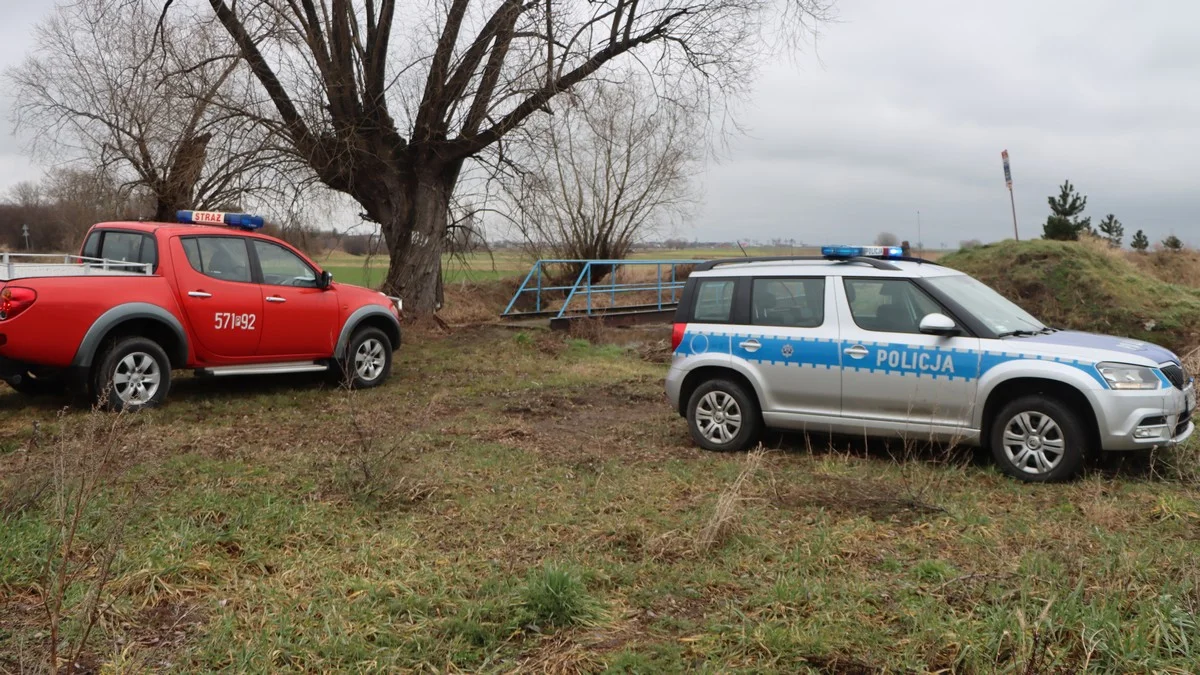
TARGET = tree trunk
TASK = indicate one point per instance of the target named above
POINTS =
(415, 233)
(178, 187)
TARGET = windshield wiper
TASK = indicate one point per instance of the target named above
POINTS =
(1024, 333)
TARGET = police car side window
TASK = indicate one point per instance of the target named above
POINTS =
(794, 303)
(714, 300)
(888, 305)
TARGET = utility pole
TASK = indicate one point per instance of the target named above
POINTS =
(1011, 201)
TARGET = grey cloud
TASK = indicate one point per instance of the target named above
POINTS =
(906, 105)
(16, 37)
(912, 102)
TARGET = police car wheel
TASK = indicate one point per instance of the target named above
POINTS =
(722, 416)
(368, 359)
(133, 373)
(1038, 439)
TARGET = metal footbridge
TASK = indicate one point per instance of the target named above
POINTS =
(619, 292)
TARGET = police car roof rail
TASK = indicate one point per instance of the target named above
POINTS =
(877, 263)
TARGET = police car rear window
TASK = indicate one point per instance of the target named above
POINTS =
(794, 303)
(714, 300)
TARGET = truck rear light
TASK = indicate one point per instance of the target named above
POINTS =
(677, 332)
(14, 300)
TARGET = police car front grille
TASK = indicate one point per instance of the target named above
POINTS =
(1175, 374)
(1181, 425)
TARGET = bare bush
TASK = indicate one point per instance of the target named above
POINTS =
(373, 470)
(362, 244)
(588, 328)
(151, 102)
(615, 167)
(86, 466)
(886, 239)
(68, 201)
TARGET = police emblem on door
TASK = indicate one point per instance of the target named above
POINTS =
(787, 351)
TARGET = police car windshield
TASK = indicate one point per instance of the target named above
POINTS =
(993, 309)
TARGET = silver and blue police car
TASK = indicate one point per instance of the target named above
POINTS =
(864, 341)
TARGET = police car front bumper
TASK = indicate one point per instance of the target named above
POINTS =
(1135, 420)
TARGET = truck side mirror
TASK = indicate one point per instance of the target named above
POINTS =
(326, 279)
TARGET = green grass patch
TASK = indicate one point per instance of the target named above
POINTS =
(529, 502)
(555, 595)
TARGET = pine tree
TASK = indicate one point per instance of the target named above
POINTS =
(1140, 242)
(1064, 222)
(1172, 243)
(1113, 230)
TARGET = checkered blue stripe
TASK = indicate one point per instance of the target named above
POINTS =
(897, 358)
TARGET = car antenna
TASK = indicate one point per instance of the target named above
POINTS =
(744, 254)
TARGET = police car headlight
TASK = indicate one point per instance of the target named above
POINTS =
(1125, 376)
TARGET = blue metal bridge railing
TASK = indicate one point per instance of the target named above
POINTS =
(667, 284)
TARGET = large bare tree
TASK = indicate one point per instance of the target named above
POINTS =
(613, 165)
(109, 86)
(387, 103)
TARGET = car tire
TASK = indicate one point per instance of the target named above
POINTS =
(723, 416)
(1039, 439)
(368, 360)
(29, 385)
(133, 373)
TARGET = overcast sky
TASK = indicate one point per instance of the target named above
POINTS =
(905, 106)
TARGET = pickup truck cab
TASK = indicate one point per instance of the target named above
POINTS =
(207, 294)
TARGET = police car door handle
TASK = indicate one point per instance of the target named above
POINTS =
(275, 298)
(750, 345)
(857, 351)
(199, 294)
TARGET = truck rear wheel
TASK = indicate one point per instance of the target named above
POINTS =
(133, 373)
(368, 360)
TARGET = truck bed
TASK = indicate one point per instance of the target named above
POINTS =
(31, 265)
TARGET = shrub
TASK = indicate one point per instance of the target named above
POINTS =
(556, 596)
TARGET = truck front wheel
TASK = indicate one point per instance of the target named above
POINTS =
(133, 373)
(368, 360)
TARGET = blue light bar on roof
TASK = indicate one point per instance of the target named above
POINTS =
(841, 252)
(243, 221)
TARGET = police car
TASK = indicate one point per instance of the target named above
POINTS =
(864, 341)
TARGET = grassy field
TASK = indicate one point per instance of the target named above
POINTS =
(527, 501)
(482, 267)
(479, 267)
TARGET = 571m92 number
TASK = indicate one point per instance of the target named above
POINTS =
(232, 321)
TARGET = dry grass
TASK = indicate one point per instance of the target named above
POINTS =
(727, 517)
(1173, 267)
